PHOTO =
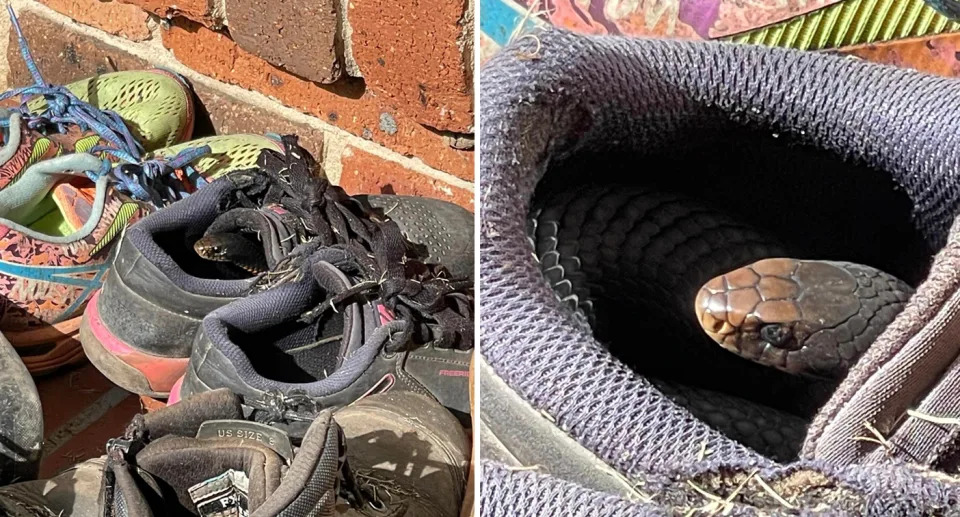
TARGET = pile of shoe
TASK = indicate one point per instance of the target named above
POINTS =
(313, 346)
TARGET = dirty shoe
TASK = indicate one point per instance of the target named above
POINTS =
(407, 452)
(139, 329)
(74, 493)
(200, 457)
(21, 421)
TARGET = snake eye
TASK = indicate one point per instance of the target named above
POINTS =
(778, 336)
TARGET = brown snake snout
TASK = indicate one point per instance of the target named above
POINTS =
(801, 316)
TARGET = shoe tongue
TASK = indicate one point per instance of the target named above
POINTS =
(214, 476)
(212, 459)
(334, 282)
(75, 199)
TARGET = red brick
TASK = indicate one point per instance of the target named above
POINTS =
(297, 35)
(113, 17)
(227, 116)
(197, 10)
(364, 173)
(63, 56)
(415, 53)
(346, 104)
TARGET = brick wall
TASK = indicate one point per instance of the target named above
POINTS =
(384, 88)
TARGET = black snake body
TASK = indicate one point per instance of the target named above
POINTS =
(629, 261)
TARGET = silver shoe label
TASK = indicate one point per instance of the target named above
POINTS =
(266, 435)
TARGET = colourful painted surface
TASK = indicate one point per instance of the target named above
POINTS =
(704, 19)
(691, 19)
(499, 20)
(938, 55)
(907, 33)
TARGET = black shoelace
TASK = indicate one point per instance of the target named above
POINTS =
(388, 267)
(273, 406)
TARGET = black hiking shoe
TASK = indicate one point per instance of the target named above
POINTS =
(203, 457)
(332, 337)
(21, 420)
(139, 328)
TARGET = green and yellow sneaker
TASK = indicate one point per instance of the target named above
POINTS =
(130, 112)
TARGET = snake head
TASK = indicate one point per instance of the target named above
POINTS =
(791, 314)
(211, 249)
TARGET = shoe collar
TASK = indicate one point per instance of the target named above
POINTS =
(235, 463)
(277, 231)
(306, 300)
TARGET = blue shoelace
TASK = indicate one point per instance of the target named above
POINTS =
(151, 180)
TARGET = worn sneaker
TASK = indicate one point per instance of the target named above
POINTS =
(334, 338)
(131, 112)
(609, 439)
(57, 237)
(139, 329)
(21, 421)
(402, 456)
(198, 459)
(408, 451)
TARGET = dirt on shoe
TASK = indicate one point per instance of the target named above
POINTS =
(21, 421)
(407, 451)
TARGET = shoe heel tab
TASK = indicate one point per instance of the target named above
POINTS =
(186, 417)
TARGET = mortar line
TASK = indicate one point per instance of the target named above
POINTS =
(155, 53)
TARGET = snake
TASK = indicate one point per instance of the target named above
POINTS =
(235, 237)
(747, 333)
(232, 248)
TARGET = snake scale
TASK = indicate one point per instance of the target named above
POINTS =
(662, 280)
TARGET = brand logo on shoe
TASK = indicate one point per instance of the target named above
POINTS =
(52, 293)
(454, 373)
(222, 496)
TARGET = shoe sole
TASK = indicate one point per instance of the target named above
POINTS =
(59, 343)
(174, 396)
(124, 365)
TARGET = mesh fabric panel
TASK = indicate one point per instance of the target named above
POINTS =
(545, 101)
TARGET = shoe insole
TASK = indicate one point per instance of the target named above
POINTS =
(64, 210)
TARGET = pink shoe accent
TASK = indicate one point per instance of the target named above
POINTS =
(385, 315)
(175, 392)
(160, 372)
